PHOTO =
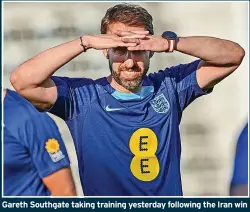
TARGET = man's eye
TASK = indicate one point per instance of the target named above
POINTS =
(138, 52)
(120, 51)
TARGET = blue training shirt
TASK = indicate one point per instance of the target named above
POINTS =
(128, 144)
(240, 174)
(33, 148)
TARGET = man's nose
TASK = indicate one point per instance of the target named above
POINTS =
(129, 63)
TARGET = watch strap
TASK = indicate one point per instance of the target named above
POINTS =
(171, 45)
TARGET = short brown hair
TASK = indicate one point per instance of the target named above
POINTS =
(129, 14)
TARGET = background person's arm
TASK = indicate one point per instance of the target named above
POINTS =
(32, 78)
(239, 181)
(48, 153)
(239, 190)
(60, 183)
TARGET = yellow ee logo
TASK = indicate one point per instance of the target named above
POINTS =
(143, 144)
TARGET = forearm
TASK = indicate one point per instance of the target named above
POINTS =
(39, 68)
(64, 192)
(60, 183)
(212, 50)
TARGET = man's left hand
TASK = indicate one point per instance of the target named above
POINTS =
(154, 43)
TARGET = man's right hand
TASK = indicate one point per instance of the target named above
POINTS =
(32, 79)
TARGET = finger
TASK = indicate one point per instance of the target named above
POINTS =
(123, 33)
(141, 32)
(117, 38)
(130, 40)
(133, 48)
(136, 48)
(135, 36)
(122, 44)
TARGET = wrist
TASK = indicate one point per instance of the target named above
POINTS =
(84, 42)
(165, 45)
(176, 43)
(171, 45)
(172, 40)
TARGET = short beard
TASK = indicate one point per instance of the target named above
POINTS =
(131, 85)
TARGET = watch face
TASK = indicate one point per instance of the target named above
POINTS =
(169, 35)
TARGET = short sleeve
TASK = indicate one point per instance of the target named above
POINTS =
(72, 95)
(240, 173)
(183, 78)
(44, 144)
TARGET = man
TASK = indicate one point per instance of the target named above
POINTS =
(126, 126)
(239, 183)
(35, 159)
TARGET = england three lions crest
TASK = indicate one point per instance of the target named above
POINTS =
(160, 104)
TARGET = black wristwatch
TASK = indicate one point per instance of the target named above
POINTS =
(172, 40)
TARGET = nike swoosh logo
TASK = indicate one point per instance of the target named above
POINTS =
(107, 108)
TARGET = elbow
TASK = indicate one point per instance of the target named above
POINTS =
(17, 81)
(14, 80)
(239, 55)
(236, 57)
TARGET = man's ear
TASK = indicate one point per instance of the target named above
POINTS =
(105, 53)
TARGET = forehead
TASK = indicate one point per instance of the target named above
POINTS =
(120, 26)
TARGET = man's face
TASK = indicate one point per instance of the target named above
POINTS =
(127, 67)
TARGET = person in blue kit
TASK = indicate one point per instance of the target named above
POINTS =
(126, 126)
(35, 159)
(239, 182)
